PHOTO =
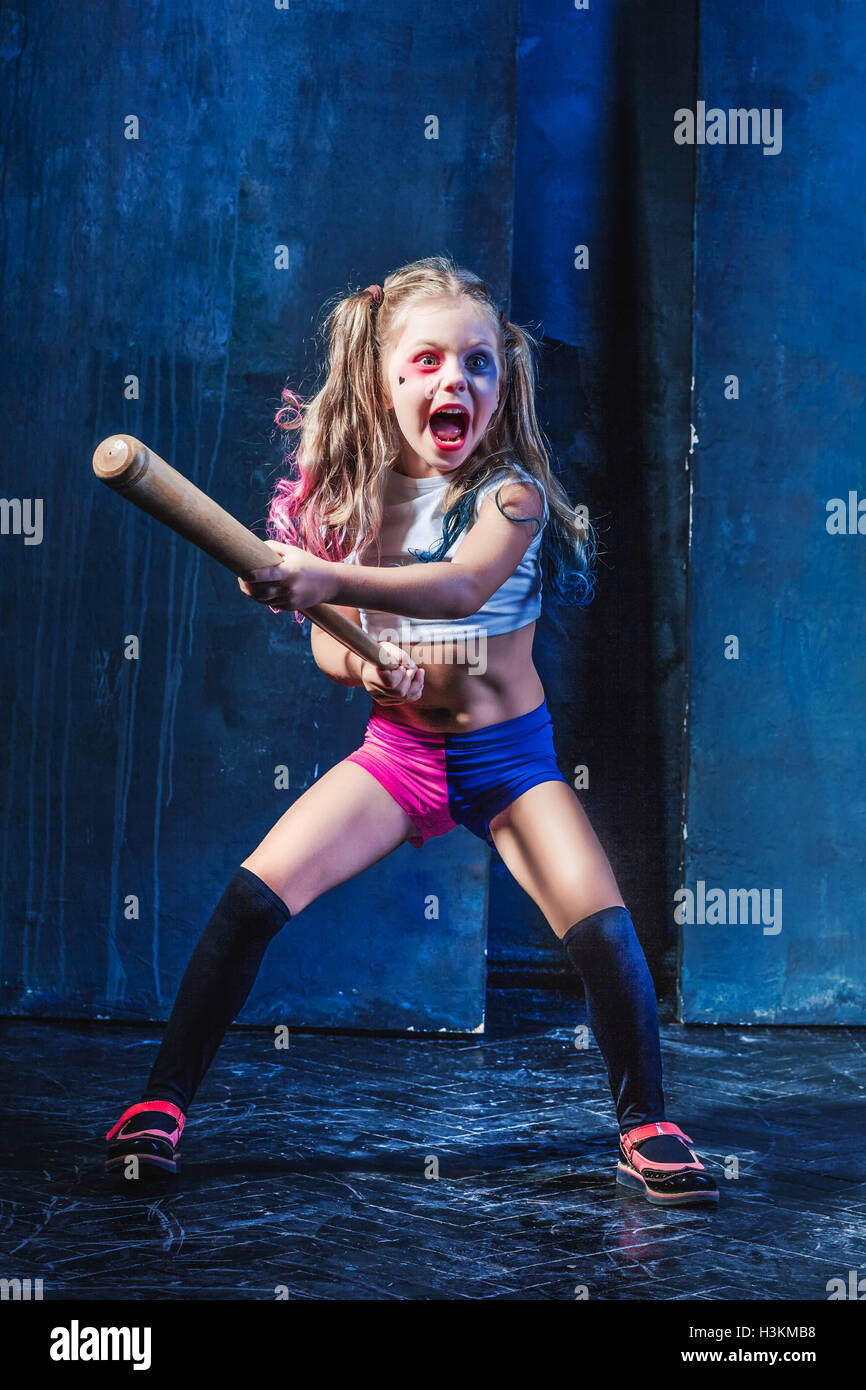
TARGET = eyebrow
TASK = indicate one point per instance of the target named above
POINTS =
(428, 342)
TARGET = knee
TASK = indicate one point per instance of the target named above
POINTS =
(262, 887)
(604, 926)
(587, 912)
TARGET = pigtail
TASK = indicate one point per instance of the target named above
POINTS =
(329, 502)
(570, 546)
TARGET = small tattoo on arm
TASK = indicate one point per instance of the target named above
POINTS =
(401, 379)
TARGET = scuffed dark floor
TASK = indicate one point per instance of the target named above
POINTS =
(306, 1168)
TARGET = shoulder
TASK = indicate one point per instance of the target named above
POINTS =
(516, 492)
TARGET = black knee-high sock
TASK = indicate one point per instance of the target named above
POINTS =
(215, 985)
(622, 1012)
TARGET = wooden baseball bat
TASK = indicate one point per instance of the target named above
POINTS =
(141, 476)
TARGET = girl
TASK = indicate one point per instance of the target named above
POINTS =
(422, 503)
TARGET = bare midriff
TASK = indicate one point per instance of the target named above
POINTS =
(468, 686)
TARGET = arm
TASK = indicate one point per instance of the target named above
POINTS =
(489, 552)
(487, 555)
(332, 657)
(434, 590)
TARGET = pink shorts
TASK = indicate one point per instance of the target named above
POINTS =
(443, 780)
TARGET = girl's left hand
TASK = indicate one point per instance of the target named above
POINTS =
(297, 581)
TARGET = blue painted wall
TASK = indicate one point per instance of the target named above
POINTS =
(776, 799)
(154, 258)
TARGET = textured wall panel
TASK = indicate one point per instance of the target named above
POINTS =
(776, 798)
(154, 258)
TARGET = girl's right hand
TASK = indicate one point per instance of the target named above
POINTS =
(393, 687)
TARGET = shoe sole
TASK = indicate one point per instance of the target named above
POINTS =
(149, 1165)
(627, 1177)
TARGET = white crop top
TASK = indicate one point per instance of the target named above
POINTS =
(412, 520)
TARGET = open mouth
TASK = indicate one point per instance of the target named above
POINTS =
(449, 426)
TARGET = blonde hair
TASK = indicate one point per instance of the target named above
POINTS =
(332, 502)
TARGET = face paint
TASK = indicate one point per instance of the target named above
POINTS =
(416, 369)
(447, 357)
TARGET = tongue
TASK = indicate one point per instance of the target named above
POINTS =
(446, 427)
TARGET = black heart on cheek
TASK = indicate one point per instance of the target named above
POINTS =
(401, 379)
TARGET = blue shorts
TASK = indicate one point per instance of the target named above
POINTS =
(443, 780)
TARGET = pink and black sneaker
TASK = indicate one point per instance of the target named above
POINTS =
(663, 1184)
(145, 1142)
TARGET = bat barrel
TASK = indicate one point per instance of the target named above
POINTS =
(128, 467)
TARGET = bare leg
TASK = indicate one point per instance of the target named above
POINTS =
(548, 845)
(342, 824)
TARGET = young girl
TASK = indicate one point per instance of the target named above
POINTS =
(422, 503)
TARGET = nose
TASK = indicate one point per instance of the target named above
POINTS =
(453, 377)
